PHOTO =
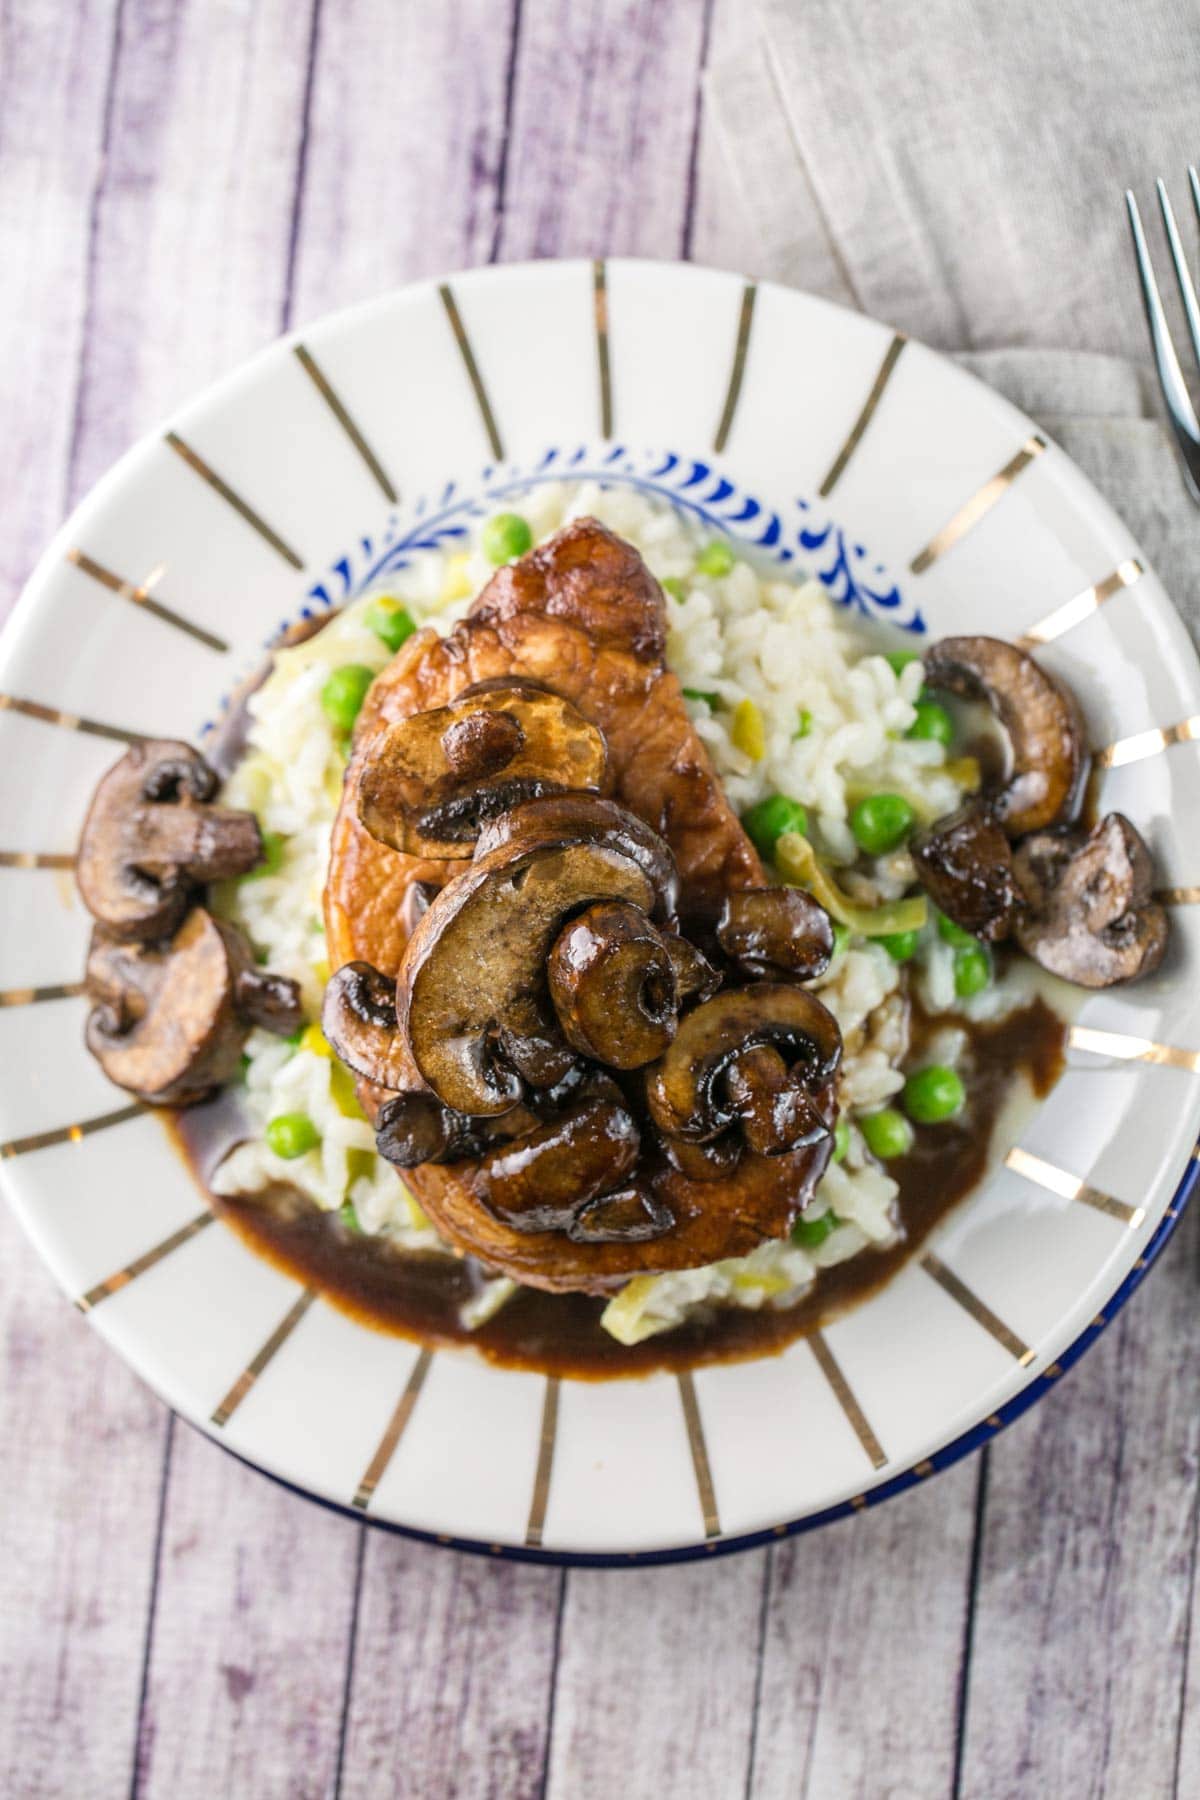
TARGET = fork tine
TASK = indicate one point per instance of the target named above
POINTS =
(1183, 274)
(1170, 375)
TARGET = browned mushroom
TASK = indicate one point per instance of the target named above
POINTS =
(436, 777)
(170, 1018)
(152, 836)
(414, 1127)
(472, 988)
(1041, 719)
(964, 863)
(1091, 917)
(561, 819)
(539, 1181)
(359, 1019)
(712, 1079)
(612, 984)
(632, 1215)
(776, 930)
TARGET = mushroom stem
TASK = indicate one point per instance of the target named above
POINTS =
(777, 1114)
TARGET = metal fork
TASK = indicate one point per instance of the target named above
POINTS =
(1180, 409)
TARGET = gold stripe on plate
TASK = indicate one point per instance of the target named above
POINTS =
(970, 513)
(845, 1397)
(472, 368)
(1148, 743)
(37, 859)
(545, 1465)
(699, 1450)
(103, 1290)
(241, 507)
(923, 1468)
(33, 996)
(138, 594)
(70, 1134)
(978, 1309)
(337, 407)
(254, 1368)
(1070, 1187)
(603, 365)
(53, 715)
(395, 1431)
(1131, 1049)
(870, 405)
(1073, 612)
(733, 392)
(1178, 896)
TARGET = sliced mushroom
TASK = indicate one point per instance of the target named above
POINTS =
(472, 985)
(1090, 916)
(560, 819)
(152, 836)
(632, 1215)
(695, 977)
(538, 1182)
(612, 984)
(776, 930)
(690, 1092)
(414, 1128)
(1041, 719)
(776, 1111)
(965, 865)
(359, 1019)
(417, 896)
(170, 1018)
(436, 777)
(713, 1161)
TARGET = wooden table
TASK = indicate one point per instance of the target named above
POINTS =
(178, 183)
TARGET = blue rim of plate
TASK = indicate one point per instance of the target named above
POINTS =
(975, 1438)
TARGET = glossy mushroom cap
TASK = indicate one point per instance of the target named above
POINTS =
(965, 865)
(1090, 913)
(437, 777)
(776, 931)
(613, 986)
(1041, 719)
(152, 836)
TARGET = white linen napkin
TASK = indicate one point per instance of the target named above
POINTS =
(958, 171)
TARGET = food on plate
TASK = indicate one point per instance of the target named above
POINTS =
(655, 950)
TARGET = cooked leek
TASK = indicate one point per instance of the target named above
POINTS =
(798, 863)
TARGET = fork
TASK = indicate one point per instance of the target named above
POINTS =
(1180, 410)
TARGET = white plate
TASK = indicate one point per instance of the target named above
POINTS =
(921, 499)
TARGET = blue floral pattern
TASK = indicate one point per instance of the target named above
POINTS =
(694, 489)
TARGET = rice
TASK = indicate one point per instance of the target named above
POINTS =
(832, 712)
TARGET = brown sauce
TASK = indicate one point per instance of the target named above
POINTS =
(420, 1296)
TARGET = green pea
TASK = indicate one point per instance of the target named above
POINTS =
(391, 622)
(887, 1133)
(505, 537)
(766, 823)
(950, 933)
(934, 1094)
(932, 724)
(344, 692)
(702, 694)
(808, 1233)
(881, 822)
(972, 970)
(716, 558)
(272, 856)
(291, 1134)
(841, 1140)
(900, 659)
(671, 584)
(804, 724)
(841, 939)
(349, 1218)
(901, 946)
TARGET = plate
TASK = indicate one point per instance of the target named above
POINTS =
(820, 439)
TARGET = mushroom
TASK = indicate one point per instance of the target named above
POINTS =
(559, 819)
(632, 1215)
(1091, 916)
(152, 836)
(414, 1127)
(711, 1079)
(170, 1018)
(358, 1017)
(472, 987)
(612, 983)
(776, 930)
(702, 1162)
(539, 1181)
(965, 864)
(436, 777)
(1041, 719)
(415, 905)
